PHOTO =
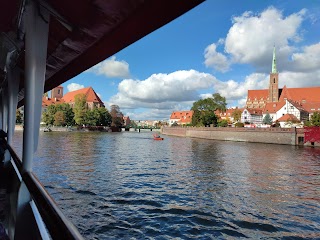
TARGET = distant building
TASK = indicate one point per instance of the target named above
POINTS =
(271, 100)
(57, 97)
(181, 117)
(228, 114)
(126, 121)
(93, 99)
(251, 116)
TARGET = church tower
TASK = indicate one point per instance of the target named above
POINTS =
(57, 92)
(274, 80)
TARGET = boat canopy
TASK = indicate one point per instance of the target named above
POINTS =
(44, 43)
(82, 33)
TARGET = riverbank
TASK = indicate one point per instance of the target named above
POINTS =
(71, 129)
(287, 136)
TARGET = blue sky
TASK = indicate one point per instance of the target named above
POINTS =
(221, 47)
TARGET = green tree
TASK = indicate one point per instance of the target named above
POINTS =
(236, 114)
(203, 110)
(209, 118)
(90, 118)
(267, 119)
(103, 117)
(19, 117)
(68, 113)
(59, 118)
(80, 109)
(48, 115)
(223, 123)
(117, 116)
(315, 119)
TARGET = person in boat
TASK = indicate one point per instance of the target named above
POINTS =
(156, 135)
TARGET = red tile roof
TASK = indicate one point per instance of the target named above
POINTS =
(49, 101)
(254, 111)
(288, 117)
(311, 106)
(228, 112)
(182, 116)
(301, 95)
(273, 107)
(88, 92)
(258, 94)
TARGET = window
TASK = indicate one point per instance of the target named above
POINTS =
(274, 80)
(245, 112)
(58, 91)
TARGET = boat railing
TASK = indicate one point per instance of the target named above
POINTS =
(57, 225)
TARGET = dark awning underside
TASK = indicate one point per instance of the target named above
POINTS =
(83, 33)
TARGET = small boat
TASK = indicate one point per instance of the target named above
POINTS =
(157, 137)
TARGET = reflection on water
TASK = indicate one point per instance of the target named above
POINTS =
(126, 185)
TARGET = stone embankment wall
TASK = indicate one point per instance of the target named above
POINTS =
(287, 136)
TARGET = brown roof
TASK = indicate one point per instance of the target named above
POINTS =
(288, 117)
(88, 92)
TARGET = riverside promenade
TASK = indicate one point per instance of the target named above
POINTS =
(287, 136)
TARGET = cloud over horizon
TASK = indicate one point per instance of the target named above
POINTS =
(111, 68)
(74, 86)
(252, 36)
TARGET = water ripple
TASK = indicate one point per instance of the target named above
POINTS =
(127, 186)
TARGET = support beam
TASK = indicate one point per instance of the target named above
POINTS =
(13, 89)
(4, 95)
(36, 41)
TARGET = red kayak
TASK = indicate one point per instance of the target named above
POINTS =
(157, 137)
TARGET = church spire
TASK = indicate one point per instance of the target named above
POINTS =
(274, 64)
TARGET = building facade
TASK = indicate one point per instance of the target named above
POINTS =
(278, 102)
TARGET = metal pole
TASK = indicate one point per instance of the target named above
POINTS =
(13, 89)
(4, 110)
(36, 42)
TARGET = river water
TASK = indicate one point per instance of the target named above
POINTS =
(129, 186)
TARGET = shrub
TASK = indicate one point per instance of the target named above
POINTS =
(239, 124)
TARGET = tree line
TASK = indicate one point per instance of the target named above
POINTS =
(204, 114)
(63, 115)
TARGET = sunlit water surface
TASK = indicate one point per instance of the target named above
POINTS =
(129, 186)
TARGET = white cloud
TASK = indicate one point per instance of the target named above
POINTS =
(299, 79)
(215, 59)
(308, 60)
(111, 68)
(163, 91)
(178, 90)
(251, 38)
(233, 90)
(74, 86)
(150, 114)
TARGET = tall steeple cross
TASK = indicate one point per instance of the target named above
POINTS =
(274, 64)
